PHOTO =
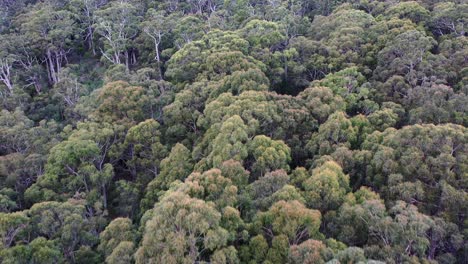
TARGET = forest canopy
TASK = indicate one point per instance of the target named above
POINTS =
(233, 131)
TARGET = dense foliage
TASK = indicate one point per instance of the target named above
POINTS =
(235, 131)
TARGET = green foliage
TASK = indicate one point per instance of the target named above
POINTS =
(210, 186)
(261, 191)
(419, 154)
(117, 25)
(230, 143)
(233, 132)
(123, 253)
(121, 103)
(40, 250)
(337, 131)
(263, 34)
(253, 107)
(409, 10)
(180, 229)
(235, 172)
(53, 232)
(71, 170)
(309, 251)
(269, 154)
(117, 232)
(327, 187)
(345, 35)
(292, 219)
(322, 102)
(145, 150)
(403, 56)
(176, 166)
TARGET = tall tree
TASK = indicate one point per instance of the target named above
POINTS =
(145, 150)
(86, 11)
(327, 187)
(291, 219)
(52, 32)
(183, 229)
(269, 155)
(230, 143)
(118, 231)
(117, 24)
(177, 166)
(156, 26)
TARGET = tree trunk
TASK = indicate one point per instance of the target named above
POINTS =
(52, 62)
(127, 64)
(158, 59)
(5, 75)
(91, 40)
